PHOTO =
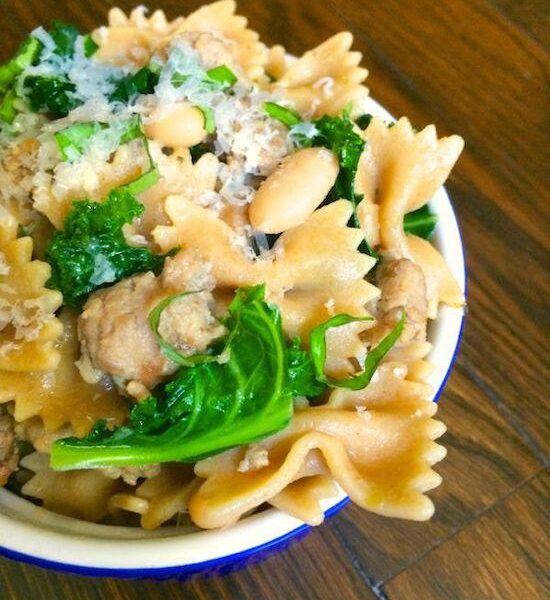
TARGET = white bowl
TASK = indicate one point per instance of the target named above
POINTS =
(34, 535)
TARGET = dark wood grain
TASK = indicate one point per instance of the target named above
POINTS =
(503, 555)
(478, 68)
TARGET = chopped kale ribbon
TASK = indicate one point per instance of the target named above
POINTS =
(75, 139)
(212, 405)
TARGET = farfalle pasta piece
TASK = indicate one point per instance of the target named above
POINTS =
(278, 62)
(28, 326)
(220, 20)
(301, 498)
(377, 443)
(158, 499)
(314, 271)
(317, 273)
(177, 175)
(201, 229)
(17, 166)
(441, 286)
(79, 494)
(324, 80)
(61, 396)
(92, 178)
(399, 171)
(132, 39)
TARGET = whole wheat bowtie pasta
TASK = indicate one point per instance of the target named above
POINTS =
(133, 38)
(214, 30)
(50, 393)
(324, 80)
(28, 326)
(399, 171)
(80, 494)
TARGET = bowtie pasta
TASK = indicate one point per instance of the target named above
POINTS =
(215, 277)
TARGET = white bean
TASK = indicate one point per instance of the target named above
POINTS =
(182, 126)
(291, 193)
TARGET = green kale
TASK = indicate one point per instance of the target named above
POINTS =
(301, 373)
(420, 222)
(90, 47)
(52, 95)
(363, 121)
(49, 94)
(91, 250)
(338, 134)
(75, 139)
(211, 406)
(129, 87)
(220, 77)
(64, 36)
(8, 112)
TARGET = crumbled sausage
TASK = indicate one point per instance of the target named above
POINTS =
(114, 332)
(403, 287)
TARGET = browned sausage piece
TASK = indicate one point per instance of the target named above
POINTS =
(403, 287)
(115, 335)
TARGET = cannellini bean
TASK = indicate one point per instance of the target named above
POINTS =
(292, 192)
(182, 126)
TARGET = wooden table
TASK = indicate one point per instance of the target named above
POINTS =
(478, 68)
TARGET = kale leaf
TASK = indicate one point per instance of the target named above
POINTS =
(73, 141)
(211, 406)
(64, 36)
(91, 250)
(214, 404)
(338, 134)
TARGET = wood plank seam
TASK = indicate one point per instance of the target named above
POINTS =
(374, 587)
(505, 411)
(456, 531)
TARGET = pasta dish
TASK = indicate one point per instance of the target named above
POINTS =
(216, 277)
